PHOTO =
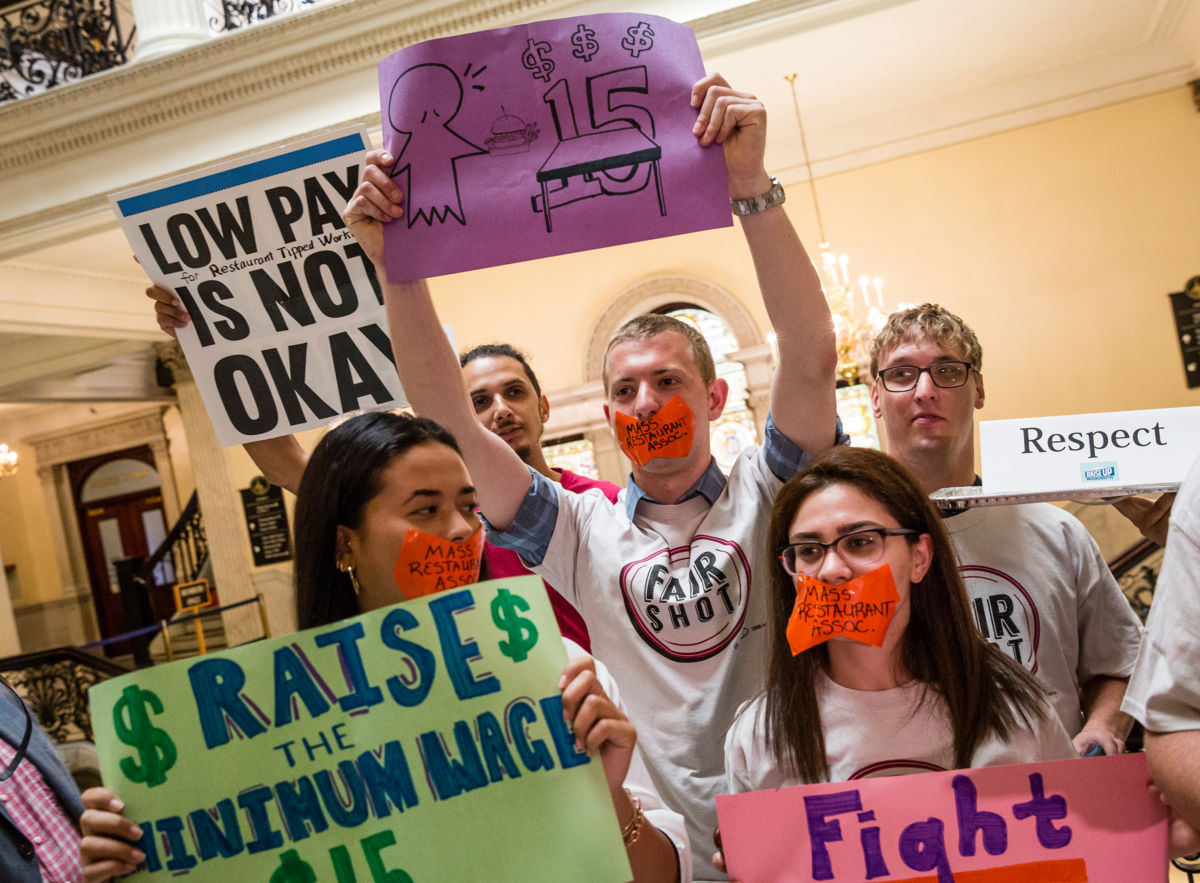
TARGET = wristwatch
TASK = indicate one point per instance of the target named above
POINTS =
(755, 204)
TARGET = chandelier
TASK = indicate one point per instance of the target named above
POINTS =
(858, 311)
(8, 461)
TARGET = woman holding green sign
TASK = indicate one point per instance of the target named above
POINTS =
(875, 667)
(382, 493)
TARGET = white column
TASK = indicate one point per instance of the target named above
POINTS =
(166, 26)
(58, 513)
(610, 462)
(166, 477)
(757, 363)
(219, 503)
(10, 643)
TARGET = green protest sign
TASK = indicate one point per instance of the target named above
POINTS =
(421, 742)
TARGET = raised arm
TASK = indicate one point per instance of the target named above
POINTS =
(803, 403)
(281, 459)
(425, 361)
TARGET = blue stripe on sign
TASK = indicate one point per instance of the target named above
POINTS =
(263, 168)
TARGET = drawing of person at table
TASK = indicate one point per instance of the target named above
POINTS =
(606, 160)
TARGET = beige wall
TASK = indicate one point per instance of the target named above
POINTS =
(1057, 242)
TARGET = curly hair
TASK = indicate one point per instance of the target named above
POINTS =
(927, 322)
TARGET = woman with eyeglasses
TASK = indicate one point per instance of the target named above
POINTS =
(375, 483)
(863, 680)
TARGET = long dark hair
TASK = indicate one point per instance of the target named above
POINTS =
(984, 691)
(342, 476)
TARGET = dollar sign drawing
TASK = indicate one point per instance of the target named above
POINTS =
(534, 60)
(640, 39)
(293, 869)
(156, 751)
(522, 634)
(584, 41)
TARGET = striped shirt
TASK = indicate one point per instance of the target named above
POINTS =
(38, 815)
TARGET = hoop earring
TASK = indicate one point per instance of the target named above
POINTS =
(348, 569)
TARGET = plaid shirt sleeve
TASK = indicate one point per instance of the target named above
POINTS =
(784, 457)
(532, 527)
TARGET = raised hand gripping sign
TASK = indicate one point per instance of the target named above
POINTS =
(287, 325)
(421, 742)
(1089, 820)
(544, 139)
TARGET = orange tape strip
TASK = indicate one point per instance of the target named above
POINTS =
(1069, 870)
(429, 564)
(667, 434)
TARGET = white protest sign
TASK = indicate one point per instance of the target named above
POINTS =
(288, 329)
(1089, 451)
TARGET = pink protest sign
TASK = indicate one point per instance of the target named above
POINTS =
(1064, 821)
(544, 139)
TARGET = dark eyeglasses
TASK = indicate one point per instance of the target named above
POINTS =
(947, 375)
(24, 746)
(857, 547)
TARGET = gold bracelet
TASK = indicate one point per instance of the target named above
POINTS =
(631, 832)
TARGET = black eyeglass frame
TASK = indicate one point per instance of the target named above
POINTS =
(24, 746)
(883, 372)
(883, 532)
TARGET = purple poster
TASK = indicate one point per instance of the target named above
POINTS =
(544, 139)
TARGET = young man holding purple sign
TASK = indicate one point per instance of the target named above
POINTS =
(663, 579)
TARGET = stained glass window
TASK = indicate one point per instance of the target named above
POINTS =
(574, 454)
(858, 420)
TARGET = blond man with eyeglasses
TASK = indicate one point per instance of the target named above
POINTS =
(1038, 586)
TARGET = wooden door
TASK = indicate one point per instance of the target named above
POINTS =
(123, 525)
(113, 530)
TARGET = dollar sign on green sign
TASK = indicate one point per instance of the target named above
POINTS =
(293, 869)
(522, 633)
(156, 751)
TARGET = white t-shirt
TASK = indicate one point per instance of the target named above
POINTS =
(637, 779)
(668, 603)
(1164, 692)
(1041, 592)
(872, 734)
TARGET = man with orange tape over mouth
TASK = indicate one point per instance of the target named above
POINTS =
(663, 578)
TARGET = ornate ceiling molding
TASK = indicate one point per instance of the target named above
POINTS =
(233, 70)
(287, 53)
(141, 427)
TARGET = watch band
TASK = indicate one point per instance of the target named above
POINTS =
(755, 204)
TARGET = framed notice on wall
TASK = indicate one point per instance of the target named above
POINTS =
(266, 522)
(1186, 307)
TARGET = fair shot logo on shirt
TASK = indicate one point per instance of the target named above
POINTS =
(688, 602)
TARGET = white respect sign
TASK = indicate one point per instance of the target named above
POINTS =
(1089, 451)
(288, 327)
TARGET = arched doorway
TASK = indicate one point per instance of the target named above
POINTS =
(119, 506)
